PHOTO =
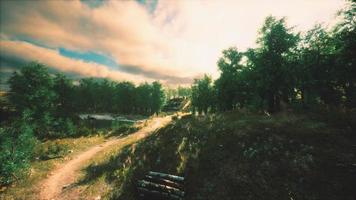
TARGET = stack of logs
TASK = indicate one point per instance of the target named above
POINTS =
(159, 186)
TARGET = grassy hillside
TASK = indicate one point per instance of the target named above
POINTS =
(242, 156)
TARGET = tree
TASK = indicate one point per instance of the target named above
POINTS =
(64, 101)
(144, 98)
(227, 84)
(31, 90)
(183, 91)
(275, 42)
(203, 95)
(125, 97)
(316, 73)
(158, 97)
(344, 34)
(87, 99)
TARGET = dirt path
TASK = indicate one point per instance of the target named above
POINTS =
(66, 174)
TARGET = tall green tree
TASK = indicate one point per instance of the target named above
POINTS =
(144, 98)
(316, 70)
(344, 34)
(203, 95)
(227, 85)
(87, 99)
(64, 101)
(125, 97)
(31, 90)
(158, 97)
(275, 42)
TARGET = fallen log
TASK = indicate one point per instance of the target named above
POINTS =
(165, 188)
(156, 185)
(167, 176)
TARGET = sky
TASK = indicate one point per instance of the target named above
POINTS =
(172, 41)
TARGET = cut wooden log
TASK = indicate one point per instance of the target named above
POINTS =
(159, 193)
(164, 181)
(166, 176)
(160, 187)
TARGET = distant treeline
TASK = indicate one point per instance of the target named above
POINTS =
(305, 71)
(52, 102)
(180, 91)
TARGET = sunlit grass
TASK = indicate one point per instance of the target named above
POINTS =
(27, 189)
(233, 155)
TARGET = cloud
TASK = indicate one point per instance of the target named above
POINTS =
(177, 41)
(22, 52)
(74, 25)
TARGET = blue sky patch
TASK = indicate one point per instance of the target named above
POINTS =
(149, 4)
(93, 3)
(89, 57)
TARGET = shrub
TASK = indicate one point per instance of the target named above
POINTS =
(124, 129)
(50, 150)
(16, 147)
(64, 128)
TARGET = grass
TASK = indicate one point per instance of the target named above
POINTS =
(50, 153)
(27, 189)
(98, 187)
(238, 156)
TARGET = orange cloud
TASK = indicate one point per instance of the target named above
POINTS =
(51, 57)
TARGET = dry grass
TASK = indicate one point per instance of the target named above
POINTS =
(236, 156)
(27, 189)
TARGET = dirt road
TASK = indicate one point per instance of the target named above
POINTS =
(67, 173)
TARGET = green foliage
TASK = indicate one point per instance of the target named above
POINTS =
(52, 102)
(125, 97)
(105, 96)
(203, 95)
(62, 128)
(32, 89)
(46, 101)
(65, 101)
(270, 62)
(16, 147)
(231, 87)
(158, 97)
(238, 156)
(124, 129)
(180, 91)
(50, 150)
(313, 70)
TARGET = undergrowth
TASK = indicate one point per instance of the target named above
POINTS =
(240, 156)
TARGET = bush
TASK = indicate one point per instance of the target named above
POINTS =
(83, 130)
(124, 129)
(50, 150)
(16, 147)
(63, 128)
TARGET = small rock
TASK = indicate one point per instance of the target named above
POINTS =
(97, 198)
(65, 186)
